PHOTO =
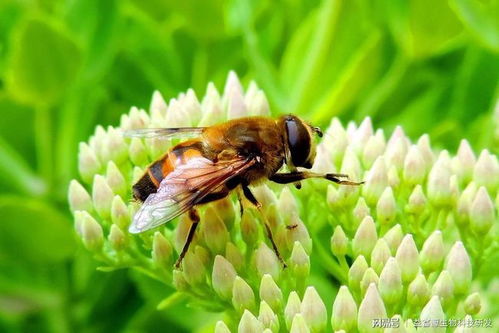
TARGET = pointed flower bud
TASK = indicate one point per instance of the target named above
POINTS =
(79, 199)
(179, 281)
(444, 288)
(369, 277)
(482, 213)
(333, 198)
(194, 269)
(376, 181)
(371, 308)
(215, 233)
(137, 152)
(313, 310)
(299, 262)
(298, 233)
(339, 242)
(299, 325)
(221, 327)
(338, 140)
(293, 307)
(486, 172)
(425, 149)
(459, 266)
(102, 196)
(270, 293)
(117, 238)
(432, 254)
(414, 166)
(287, 204)
(242, 295)
(115, 148)
(268, 318)
(418, 292)
(266, 262)
(249, 229)
(115, 179)
(222, 277)
(439, 191)
(234, 256)
(464, 203)
(162, 251)
(394, 237)
(374, 148)
(225, 210)
(472, 304)
(344, 315)
(356, 272)
(249, 323)
(408, 258)
(380, 255)
(433, 311)
(464, 163)
(361, 210)
(390, 282)
(397, 325)
(119, 213)
(88, 163)
(91, 232)
(365, 238)
(417, 201)
(387, 207)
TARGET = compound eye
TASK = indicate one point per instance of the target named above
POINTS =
(298, 141)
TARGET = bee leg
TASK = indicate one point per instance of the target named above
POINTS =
(251, 198)
(293, 177)
(194, 216)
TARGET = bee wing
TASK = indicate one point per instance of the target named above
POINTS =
(183, 188)
(163, 133)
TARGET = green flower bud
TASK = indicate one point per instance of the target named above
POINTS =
(464, 162)
(91, 232)
(369, 277)
(299, 262)
(459, 266)
(344, 315)
(162, 251)
(380, 255)
(299, 325)
(298, 234)
(417, 201)
(234, 256)
(482, 214)
(249, 323)
(433, 311)
(88, 163)
(194, 269)
(339, 242)
(365, 238)
(117, 238)
(270, 293)
(222, 277)
(78, 197)
(179, 281)
(115, 179)
(393, 177)
(396, 148)
(266, 261)
(225, 210)
(414, 166)
(472, 304)
(418, 292)
(390, 282)
(444, 288)
(242, 296)
(249, 229)
(439, 191)
(486, 172)
(361, 210)
(138, 119)
(408, 258)
(268, 318)
(394, 237)
(220, 327)
(374, 148)
(215, 233)
(376, 181)
(425, 149)
(119, 213)
(98, 141)
(182, 231)
(115, 148)
(334, 200)
(137, 173)
(387, 207)
(432, 254)
(102, 197)
(464, 203)
(203, 255)
(313, 310)
(137, 152)
(293, 307)
(371, 307)
(356, 272)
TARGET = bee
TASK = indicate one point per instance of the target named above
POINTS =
(219, 159)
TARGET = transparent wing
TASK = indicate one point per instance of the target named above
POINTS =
(183, 188)
(163, 133)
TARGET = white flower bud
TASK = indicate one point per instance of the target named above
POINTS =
(371, 307)
(458, 264)
(115, 148)
(433, 311)
(387, 207)
(414, 166)
(464, 203)
(221, 327)
(249, 323)
(117, 238)
(376, 181)
(79, 199)
(472, 304)
(270, 293)
(418, 292)
(390, 282)
(356, 272)
(313, 310)
(486, 172)
(268, 318)
(243, 297)
(293, 307)
(365, 238)
(417, 201)
(266, 262)
(482, 213)
(362, 135)
(337, 140)
(408, 258)
(344, 315)
(432, 254)
(380, 255)
(425, 149)
(299, 324)
(361, 210)
(374, 148)
(439, 191)
(88, 163)
(102, 197)
(115, 179)
(339, 242)
(369, 277)
(444, 288)
(223, 277)
(464, 162)
(393, 238)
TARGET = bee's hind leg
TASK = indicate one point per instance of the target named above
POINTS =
(194, 216)
(251, 198)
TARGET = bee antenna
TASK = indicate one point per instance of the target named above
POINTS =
(318, 131)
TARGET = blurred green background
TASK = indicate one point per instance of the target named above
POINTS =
(66, 66)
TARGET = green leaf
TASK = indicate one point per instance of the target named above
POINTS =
(43, 62)
(32, 231)
(481, 19)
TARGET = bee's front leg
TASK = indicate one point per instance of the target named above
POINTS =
(292, 177)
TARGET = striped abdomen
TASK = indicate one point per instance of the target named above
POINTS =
(160, 168)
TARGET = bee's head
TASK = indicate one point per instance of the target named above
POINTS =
(299, 141)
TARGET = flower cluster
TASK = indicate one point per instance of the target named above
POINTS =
(407, 245)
